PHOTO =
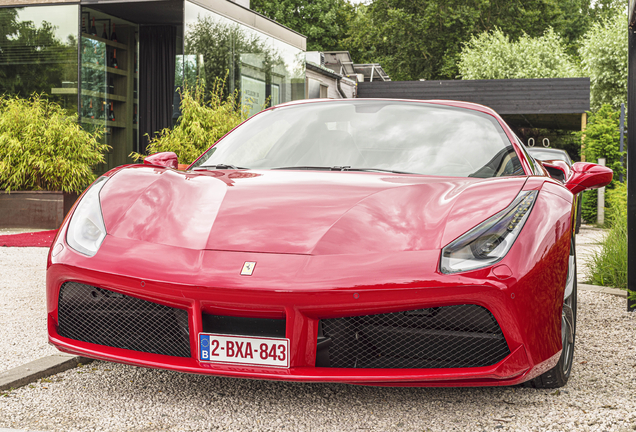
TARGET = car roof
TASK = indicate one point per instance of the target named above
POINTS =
(453, 103)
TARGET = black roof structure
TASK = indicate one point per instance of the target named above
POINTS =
(551, 103)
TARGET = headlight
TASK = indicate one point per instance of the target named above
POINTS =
(86, 231)
(491, 240)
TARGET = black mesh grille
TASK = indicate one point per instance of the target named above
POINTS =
(104, 317)
(263, 327)
(441, 337)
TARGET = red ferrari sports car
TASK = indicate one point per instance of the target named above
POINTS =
(378, 242)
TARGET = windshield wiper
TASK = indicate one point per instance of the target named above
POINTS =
(376, 170)
(219, 166)
(317, 168)
(340, 168)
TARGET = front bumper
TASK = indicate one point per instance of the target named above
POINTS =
(304, 290)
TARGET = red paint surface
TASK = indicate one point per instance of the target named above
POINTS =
(588, 176)
(326, 244)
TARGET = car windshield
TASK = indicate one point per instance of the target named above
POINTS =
(546, 155)
(403, 137)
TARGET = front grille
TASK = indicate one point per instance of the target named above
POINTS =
(96, 315)
(441, 337)
(240, 326)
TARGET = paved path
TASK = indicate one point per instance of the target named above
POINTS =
(588, 242)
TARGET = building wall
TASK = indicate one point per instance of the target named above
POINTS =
(348, 86)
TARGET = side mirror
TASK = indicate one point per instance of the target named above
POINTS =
(558, 170)
(164, 159)
(588, 176)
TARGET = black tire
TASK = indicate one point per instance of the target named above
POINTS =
(558, 376)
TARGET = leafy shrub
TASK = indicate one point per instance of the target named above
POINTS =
(202, 123)
(616, 203)
(43, 148)
(601, 139)
(589, 206)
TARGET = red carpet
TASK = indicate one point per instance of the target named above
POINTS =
(30, 239)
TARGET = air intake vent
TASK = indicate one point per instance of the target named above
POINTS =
(90, 314)
(441, 337)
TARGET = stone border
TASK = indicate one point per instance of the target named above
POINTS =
(40, 368)
(601, 289)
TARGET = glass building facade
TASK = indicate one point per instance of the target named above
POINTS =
(264, 70)
(91, 58)
(38, 52)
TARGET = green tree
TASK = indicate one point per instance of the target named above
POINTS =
(492, 55)
(604, 59)
(415, 39)
(322, 21)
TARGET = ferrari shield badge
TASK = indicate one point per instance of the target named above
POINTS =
(248, 268)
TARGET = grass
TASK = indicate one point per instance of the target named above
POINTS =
(609, 265)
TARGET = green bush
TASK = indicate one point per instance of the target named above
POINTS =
(601, 139)
(43, 148)
(589, 206)
(615, 203)
(202, 123)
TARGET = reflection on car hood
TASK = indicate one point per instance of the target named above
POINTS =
(298, 212)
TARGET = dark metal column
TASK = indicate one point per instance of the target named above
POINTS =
(631, 164)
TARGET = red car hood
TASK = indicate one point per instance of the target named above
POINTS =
(298, 212)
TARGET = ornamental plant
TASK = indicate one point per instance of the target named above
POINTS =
(203, 122)
(43, 148)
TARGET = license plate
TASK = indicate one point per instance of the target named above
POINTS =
(244, 350)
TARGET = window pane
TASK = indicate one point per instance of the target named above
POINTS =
(264, 70)
(38, 52)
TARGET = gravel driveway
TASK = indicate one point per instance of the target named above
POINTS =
(22, 306)
(110, 397)
(601, 394)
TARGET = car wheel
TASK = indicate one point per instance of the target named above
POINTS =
(559, 374)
